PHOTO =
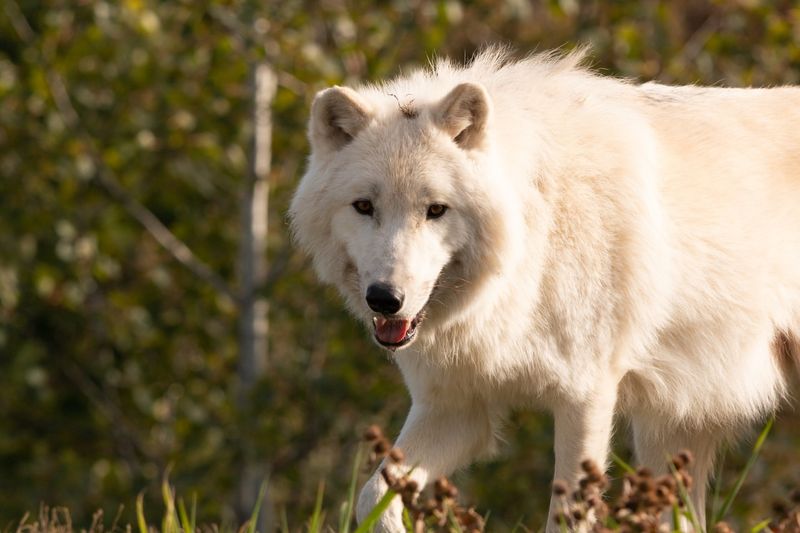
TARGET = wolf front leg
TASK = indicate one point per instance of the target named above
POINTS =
(582, 431)
(436, 440)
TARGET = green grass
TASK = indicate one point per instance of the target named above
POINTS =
(177, 517)
(726, 505)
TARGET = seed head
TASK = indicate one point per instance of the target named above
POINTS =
(596, 478)
(645, 484)
(664, 495)
(593, 501)
(381, 447)
(668, 482)
(471, 519)
(589, 466)
(686, 457)
(373, 433)
(650, 500)
(452, 491)
(396, 455)
(632, 504)
(430, 505)
(561, 517)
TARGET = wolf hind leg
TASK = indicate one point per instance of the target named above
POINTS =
(655, 445)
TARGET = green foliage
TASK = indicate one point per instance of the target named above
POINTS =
(643, 502)
(116, 361)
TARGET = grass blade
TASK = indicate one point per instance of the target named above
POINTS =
(253, 522)
(193, 516)
(372, 518)
(520, 525)
(454, 525)
(407, 521)
(562, 524)
(315, 524)
(689, 512)
(760, 526)
(140, 520)
(347, 515)
(184, 517)
(622, 464)
(188, 522)
(284, 521)
(169, 524)
(743, 475)
(676, 519)
(717, 490)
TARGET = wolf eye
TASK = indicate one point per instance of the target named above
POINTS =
(363, 207)
(436, 210)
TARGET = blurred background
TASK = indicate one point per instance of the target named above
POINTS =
(151, 322)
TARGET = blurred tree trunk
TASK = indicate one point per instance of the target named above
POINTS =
(253, 271)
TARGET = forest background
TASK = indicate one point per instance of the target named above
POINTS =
(135, 274)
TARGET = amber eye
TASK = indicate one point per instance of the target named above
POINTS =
(436, 210)
(363, 207)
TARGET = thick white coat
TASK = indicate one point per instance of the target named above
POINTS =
(609, 248)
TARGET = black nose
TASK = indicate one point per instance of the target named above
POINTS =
(383, 298)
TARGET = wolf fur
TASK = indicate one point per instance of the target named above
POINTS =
(608, 249)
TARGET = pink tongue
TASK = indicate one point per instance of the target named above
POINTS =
(391, 331)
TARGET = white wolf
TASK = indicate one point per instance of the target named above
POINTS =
(522, 232)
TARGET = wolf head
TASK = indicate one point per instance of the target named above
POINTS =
(400, 207)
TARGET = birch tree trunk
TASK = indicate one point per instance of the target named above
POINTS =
(253, 306)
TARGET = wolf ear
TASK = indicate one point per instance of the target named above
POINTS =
(463, 114)
(337, 115)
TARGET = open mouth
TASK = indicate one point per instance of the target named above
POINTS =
(393, 333)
